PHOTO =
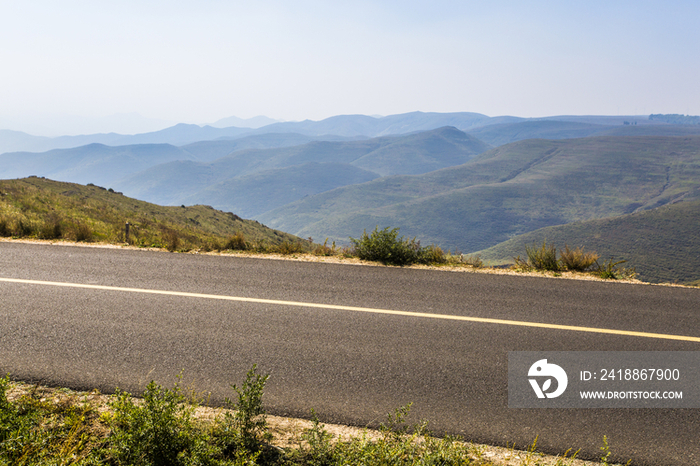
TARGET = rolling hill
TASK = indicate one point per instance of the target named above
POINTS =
(498, 135)
(256, 193)
(180, 182)
(663, 244)
(508, 191)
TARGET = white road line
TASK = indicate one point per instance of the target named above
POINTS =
(359, 309)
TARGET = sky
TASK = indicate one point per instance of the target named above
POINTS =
(69, 64)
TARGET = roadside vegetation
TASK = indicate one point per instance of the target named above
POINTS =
(165, 427)
(37, 208)
(544, 258)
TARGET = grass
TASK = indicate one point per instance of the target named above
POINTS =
(44, 209)
(544, 258)
(163, 427)
(662, 245)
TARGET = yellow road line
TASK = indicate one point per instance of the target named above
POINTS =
(360, 309)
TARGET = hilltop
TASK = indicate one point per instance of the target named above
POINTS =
(46, 209)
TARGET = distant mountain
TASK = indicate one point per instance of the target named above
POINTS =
(17, 141)
(181, 134)
(206, 151)
(662, 244)
(675, 119)
(58, 125)
(255, 122)
(179, 182)
(341, 126)
(362, 125)
(94, 163)
(498, 135)
(507, 191)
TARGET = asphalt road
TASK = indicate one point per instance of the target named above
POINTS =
(349, 366)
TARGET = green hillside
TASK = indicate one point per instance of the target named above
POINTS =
(507, 191)
(663, 244)
(254, 194)
(41, 208)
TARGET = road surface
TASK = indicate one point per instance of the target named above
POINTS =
(352, 342)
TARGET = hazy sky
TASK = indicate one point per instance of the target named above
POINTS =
(199, 61)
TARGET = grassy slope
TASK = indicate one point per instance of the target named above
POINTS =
(39, 204)
(663, 244)
(508, 191)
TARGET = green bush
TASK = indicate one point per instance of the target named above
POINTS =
(159, 432)
(431, 255)
(386, 247)
(246, 427)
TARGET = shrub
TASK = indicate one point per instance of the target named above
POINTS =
(386, 247)
(613, 272)
(51, 228)
(24, 228)
(246, 428)
(577, 259)
(236, 242)
(289, 247)
(474, 261)
(539, 258)
(82, 232)
(324, 250)
(432, 255)
(160, 431)
(172, 240)
(5, 227)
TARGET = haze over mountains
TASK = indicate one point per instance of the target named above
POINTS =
(464, 181)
